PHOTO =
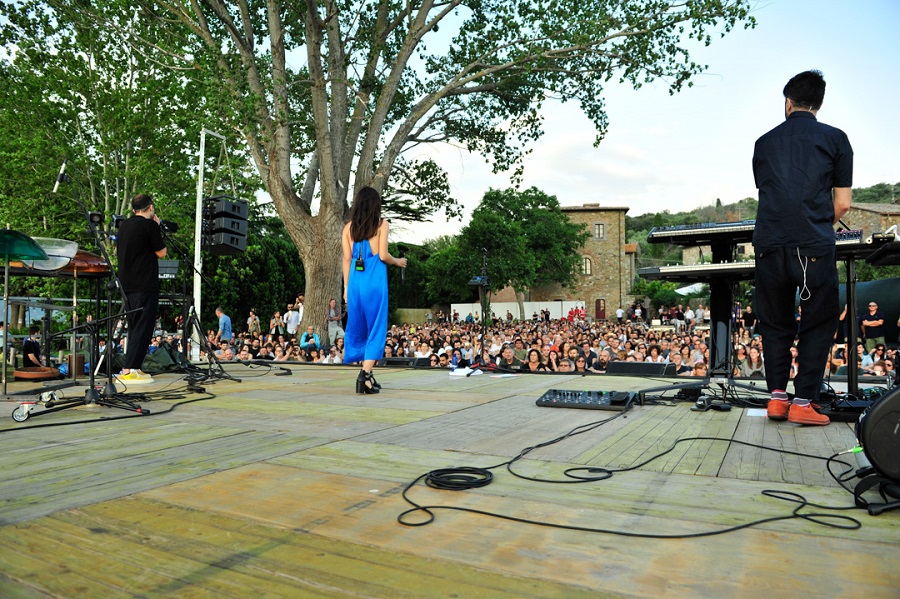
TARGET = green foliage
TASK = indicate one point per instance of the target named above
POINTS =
(447, 273)
(660, 293)
(527, 239)
(374, 80)
(880, 193)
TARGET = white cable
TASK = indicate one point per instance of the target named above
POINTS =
(804, 262)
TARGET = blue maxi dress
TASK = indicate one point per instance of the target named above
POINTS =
(367, 306)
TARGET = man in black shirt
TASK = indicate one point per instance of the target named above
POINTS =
(872, 324)
(31, 349)
(139, 249)
(804, 172)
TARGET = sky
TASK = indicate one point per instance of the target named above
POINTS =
(681, 152)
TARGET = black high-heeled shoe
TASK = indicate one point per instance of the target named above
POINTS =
(364, 383)
(375, 384)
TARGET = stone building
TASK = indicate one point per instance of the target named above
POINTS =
(607, 263)
(872, 218)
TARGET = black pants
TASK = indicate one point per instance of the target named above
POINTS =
(779, 275)
(140, 327)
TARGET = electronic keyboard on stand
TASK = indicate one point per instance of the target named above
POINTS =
(723, 272)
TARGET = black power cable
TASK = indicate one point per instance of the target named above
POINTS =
(464, 478)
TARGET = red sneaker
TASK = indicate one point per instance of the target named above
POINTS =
(806, 415)
(777, 409)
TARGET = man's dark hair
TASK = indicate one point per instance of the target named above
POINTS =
(140, 202)
(34, 329)
(806, 89)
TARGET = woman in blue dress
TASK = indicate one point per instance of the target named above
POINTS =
(366, 256)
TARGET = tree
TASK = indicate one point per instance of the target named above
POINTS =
(369, 88)
(528, 240)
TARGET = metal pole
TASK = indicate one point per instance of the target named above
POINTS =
(198, 235)
(5, 317)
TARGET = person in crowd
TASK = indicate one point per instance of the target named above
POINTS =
(681, 369)
(31, 349)
(279, 353)
(253, 326)
(334, 316)
(739, 358)
(224, 333)
(310, 339)
(552, 361)
(534, 362)
(699, 369)
(871, 326)
(566, 366)
(753, 367)
(507, 360)
(291, 321)
(276, 324)
(244, 354)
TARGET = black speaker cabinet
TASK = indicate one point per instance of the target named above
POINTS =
(397, 362)
(640, 368)
(878, 431)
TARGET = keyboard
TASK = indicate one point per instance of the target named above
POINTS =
(704, 233)
(587, 400)
(699, 272)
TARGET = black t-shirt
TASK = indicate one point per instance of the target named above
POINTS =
(749, 319)
(873, 331)
(139, 240)
(30, 346)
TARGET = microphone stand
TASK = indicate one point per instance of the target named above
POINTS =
(110, 397)
(191, 322)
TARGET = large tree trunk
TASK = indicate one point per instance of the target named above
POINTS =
(520, 299)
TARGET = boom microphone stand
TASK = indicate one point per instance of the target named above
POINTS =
(214, 369)
(110, 397)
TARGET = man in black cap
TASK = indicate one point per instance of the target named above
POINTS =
(139, 249)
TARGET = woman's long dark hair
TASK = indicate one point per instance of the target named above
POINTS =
(365, 214)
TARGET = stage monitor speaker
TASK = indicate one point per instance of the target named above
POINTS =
(878, 431)
(397, 362)
(423, 362)
(640, 368)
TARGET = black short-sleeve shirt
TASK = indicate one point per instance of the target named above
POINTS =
(795, 166)
(139, 240)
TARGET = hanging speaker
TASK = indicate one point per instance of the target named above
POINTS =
(878, 431)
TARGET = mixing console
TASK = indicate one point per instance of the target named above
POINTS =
(589, 400)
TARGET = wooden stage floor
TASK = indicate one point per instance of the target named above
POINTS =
(290, 486)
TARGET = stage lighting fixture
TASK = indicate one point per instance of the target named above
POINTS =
(117, 220)
(96, 219)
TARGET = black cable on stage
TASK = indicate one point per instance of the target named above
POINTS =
(464, 478)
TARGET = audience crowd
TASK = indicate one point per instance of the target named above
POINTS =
(675, 335)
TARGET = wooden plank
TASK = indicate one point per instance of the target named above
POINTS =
(148, 549)
(351, 513)
(47, 491)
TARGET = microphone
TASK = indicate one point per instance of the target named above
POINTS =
(61, 177)
(168, 226)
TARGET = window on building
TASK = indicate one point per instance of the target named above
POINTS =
(585, 265)
(599, 231)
